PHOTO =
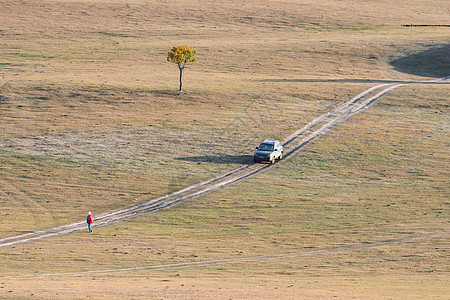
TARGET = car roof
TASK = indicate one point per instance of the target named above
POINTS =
(269, 142)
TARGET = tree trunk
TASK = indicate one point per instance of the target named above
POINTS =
(181, 74)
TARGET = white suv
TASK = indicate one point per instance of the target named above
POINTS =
(268, 151)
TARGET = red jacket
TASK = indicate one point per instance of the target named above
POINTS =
(89, 219)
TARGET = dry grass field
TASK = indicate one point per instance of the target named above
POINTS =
(90, 120)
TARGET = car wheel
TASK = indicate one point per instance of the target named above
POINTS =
(281, 156)
(272, 161)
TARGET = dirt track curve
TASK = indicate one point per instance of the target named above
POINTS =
(292, 145)
(215, 262)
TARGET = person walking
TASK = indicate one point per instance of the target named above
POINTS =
(89, 221)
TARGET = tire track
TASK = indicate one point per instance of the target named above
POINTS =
(208, 263)
(292, 145)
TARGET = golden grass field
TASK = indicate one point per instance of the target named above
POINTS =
(91, 120)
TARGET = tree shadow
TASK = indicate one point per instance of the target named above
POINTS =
(3, 99)
(166, 93)
(226, 159)
(434, 62)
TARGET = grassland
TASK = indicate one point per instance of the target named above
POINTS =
(90, 120)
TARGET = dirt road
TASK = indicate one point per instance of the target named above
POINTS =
(235, 260)
(292, 145)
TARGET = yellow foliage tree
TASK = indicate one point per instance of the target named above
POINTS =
(181, 55)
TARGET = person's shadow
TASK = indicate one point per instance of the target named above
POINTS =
(226, 159)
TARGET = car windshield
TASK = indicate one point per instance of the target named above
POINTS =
(265, 147)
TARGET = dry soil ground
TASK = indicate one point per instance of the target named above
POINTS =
(90, 120)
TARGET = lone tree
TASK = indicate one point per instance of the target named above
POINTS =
(181, 55)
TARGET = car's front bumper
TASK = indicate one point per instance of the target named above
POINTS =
(261, 158)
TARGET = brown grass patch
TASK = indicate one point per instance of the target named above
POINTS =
(90, 120)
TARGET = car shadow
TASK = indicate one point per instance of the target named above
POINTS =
(225, 159)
